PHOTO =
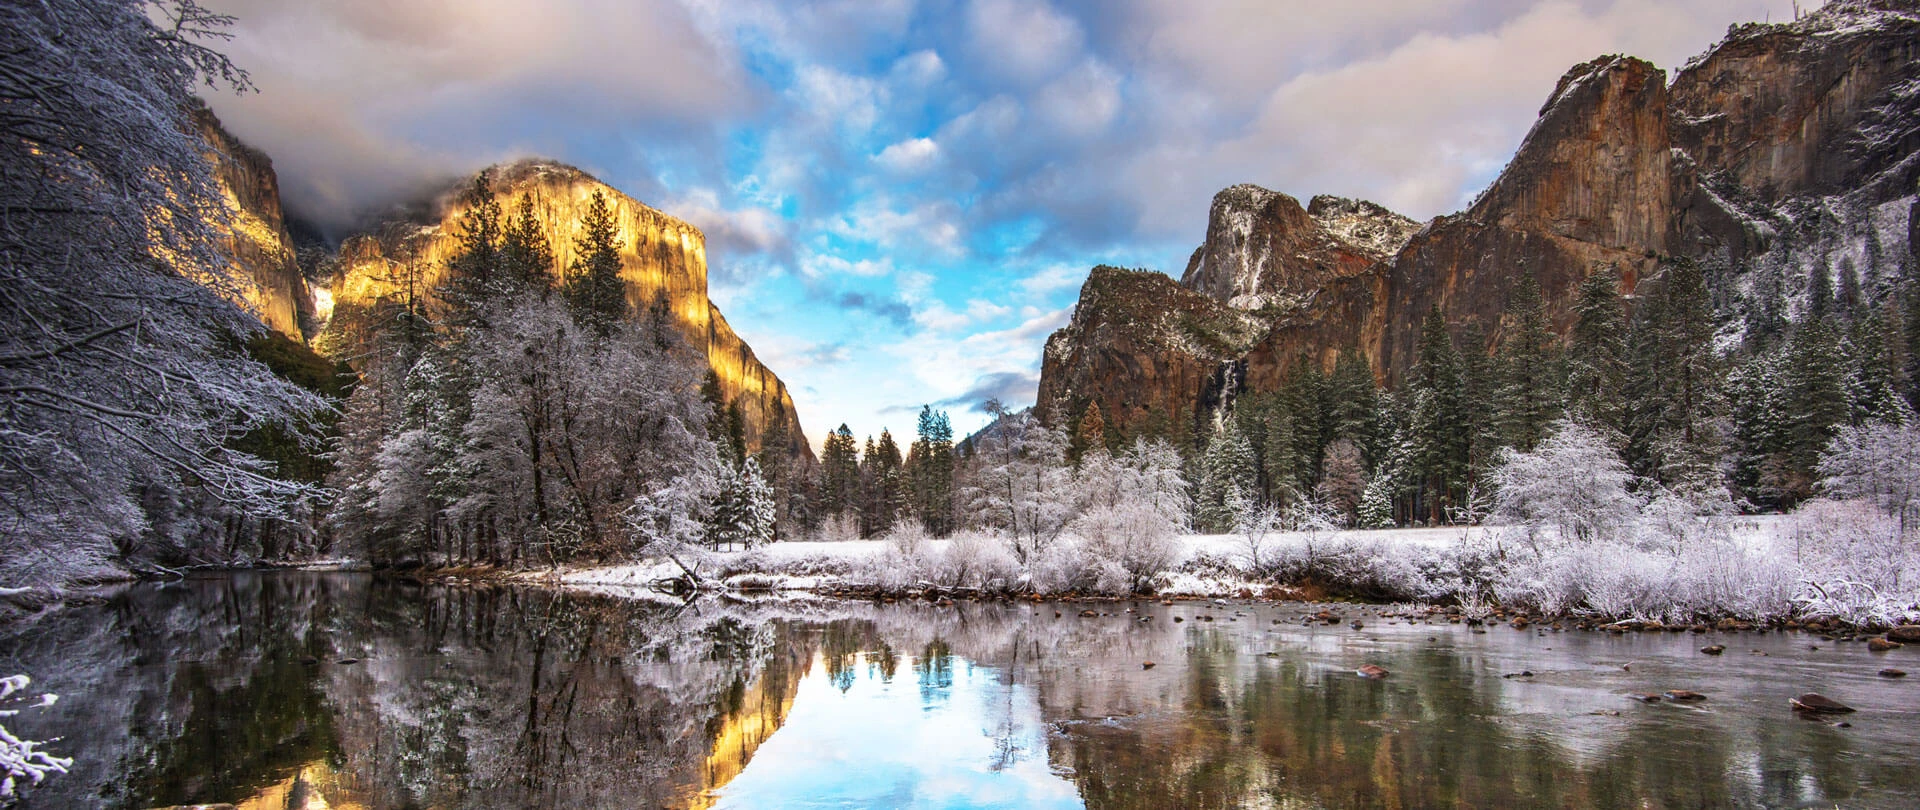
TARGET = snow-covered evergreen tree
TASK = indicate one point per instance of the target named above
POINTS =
(1227, 477)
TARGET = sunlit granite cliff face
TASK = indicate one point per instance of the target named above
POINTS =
(661, 258)
(272, 283)
(1783, 147)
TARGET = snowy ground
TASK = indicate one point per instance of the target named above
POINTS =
(791, 567)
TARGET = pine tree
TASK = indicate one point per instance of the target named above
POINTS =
(1376, 502)
(930, 472)
(1226, 479)
(1480, 381)
(839, 474)
(758, 514)
(1819, 293)
(1350, 399)
(1674, 383)
(1596, 355)
(1910, 335)
(526, 260)
(1091, 434)
(1817, 397)
(888, 482)
(1762, 429)
(1280, 459)
(1303, 397)
(775, 465)
(1439, 428)
(1873, 370)
(1848, 298)
(473, 273)
(594, 288)
(726, 425)
(1529, 395)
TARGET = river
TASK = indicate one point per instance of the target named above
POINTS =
(307, 690)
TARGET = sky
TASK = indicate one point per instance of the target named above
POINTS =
(901, 198)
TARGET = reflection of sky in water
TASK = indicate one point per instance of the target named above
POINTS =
(864, 740)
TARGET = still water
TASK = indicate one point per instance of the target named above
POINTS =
(298, 690)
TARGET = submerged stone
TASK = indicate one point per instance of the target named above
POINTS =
(1819, 704)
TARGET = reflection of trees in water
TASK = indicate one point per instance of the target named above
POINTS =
(519, 697)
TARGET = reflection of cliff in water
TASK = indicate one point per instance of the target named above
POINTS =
(232, 690)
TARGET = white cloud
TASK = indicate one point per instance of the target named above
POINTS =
(910, 156)
(1052, 278)
(823, 265)
(736, 231)
(930, 225)
(922, 67)
(1083, 101)
(850, 102)
(1024, 41)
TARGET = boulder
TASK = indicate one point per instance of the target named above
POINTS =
(1372, 672)
(1819, 704)
(1905, 634)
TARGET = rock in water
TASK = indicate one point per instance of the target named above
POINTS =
(1645, 697)
(1883, 645)
(1372, 672)
(1684, 695)
(1905, 634)
(1890, 672)
(1713, 649)
(1819, 704)
(1146, 665)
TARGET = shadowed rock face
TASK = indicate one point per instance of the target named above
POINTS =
(273, 286)
(1620, 171)
(1140, 345)
(661, 257)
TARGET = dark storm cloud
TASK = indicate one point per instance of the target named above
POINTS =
(1013, 388)
(892, 309)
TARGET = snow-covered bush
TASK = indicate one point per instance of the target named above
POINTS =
(1255, 529)
(1134, 541)
(1879, 463)
(1675, 521)
(1573, 487)
(976, 560)
(1132, 508)
(1855, 561)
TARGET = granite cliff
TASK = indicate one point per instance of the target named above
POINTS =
(661, 257)
(1783, 147)
(273, 286)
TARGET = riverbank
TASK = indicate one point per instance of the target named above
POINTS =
(1744, 571)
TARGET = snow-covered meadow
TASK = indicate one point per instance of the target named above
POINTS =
(1565, 537)
(1759, 568)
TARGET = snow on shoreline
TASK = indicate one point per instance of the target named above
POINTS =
(828, 564)
(1747, 568)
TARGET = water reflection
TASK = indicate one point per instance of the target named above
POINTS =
(962, 737)
(301, 690)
